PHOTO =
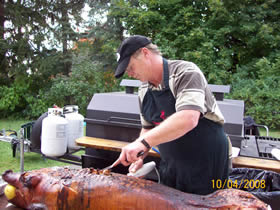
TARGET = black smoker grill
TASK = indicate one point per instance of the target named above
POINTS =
(115, 116)
(259, 146)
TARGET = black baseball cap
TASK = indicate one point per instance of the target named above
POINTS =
(126, 50)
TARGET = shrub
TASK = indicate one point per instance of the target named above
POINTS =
(78, 88)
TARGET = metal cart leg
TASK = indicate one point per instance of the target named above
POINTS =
(21, 150)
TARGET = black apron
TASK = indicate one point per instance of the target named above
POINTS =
(196, 161)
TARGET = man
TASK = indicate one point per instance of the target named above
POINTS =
(179, 114)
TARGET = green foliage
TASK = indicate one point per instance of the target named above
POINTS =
(36, 105)
(106, 33)
(86, 78)
(12, 99)
(261, 95)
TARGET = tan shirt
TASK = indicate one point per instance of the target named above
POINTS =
(190, 90)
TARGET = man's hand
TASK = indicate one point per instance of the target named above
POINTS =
(135, 166)
(130, 153)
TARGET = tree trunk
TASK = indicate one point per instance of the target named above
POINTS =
(3, 66)
(65, 32)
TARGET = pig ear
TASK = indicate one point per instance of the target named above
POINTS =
(30, 181)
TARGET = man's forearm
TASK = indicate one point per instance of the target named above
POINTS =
(143, 131)
(172, 128)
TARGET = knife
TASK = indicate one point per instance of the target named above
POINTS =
(111, 166)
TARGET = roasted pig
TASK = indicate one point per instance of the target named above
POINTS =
(63, 188)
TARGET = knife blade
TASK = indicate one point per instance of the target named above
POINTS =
(111, 166)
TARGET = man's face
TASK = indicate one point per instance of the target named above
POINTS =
(137, 67)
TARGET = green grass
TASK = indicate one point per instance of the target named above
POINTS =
(272, 133)
(11, 124)
(31, 160)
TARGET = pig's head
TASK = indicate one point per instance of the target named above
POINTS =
(24, 186)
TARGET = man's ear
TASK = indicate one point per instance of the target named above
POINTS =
(145, 51)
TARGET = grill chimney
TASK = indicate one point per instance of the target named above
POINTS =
(130, 85)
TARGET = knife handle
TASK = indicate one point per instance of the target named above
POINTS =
(146, 169)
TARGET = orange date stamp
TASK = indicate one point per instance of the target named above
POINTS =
(240, 184)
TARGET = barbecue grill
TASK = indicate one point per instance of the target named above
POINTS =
(259, 146)
(116, 116)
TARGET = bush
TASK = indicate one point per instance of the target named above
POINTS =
(78, 88)
(12, 99)
(36, 105)
(260, 92)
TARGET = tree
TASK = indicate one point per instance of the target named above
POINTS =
(63, 13)
(107, 32)
(32, 34)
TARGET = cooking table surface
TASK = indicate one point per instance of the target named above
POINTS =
(238, 162)
(258, 163)
(106, 144)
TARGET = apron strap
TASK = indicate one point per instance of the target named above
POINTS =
(165, 73)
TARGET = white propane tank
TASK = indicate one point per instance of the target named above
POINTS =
(54, 133)
(76, 125)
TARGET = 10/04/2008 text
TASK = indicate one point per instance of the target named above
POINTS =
(243, 183)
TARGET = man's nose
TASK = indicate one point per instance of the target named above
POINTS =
(129, 72)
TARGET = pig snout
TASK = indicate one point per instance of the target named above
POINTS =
(11, 178)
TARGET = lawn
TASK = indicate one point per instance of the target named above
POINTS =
(31, 160)
(272, 133)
